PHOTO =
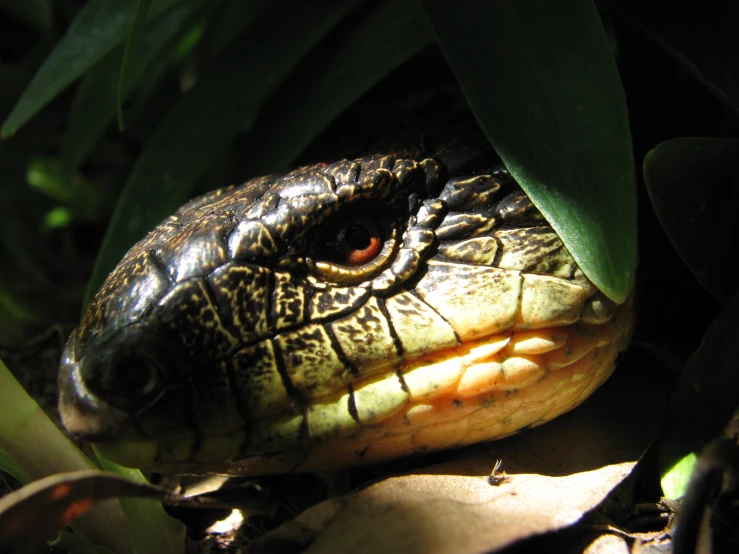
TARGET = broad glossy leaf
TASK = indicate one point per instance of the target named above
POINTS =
(381, 37)
(542, 81)
(99, 27)
(203, 122)
(693, 184)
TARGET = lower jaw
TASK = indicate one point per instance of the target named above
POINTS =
(421, 427)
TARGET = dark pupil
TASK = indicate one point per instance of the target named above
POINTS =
(355, 236)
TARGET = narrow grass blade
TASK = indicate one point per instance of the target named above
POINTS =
(207, 118)
(99, 27)
(153, 531)
(142, 8)
(10, 466)
(381, 37)
(542, 81)
(40, 449)
(94, 103)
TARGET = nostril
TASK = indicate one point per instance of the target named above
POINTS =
(137, 377)
(134, 376)
(123, 379)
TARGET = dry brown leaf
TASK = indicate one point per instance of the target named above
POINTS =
(554, 475)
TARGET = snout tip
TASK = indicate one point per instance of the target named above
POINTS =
(83, 413)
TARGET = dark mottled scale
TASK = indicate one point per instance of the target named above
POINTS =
(288, 301)
(373, 163)
(473, 194)
(255, 380)
(197, 250)
(214, 405)
(464, 225)
(311, 361)
(128, 293)
(518, 210)
(252, 240)
(189, 313)
(243, 295)
(263, 206)
(304, 184)
(345, 171)
(365, 336)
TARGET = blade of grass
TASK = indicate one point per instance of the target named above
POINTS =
(142, 8)
(10, 466)
(207, 118)
(542, 81)
(40, 449)
(94, 103)
(152, 529)
(382, 36)
(99, 27)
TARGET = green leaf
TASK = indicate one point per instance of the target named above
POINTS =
(676, 479)
(40, 449)
(152, 529)
(693, 184)
(207, 118)
(99, 27)
(380, 38)
(10, 466)
(49, 177)
(708, 391)
(94, 103)
(58, 218)
(542, 81)
(142, 8)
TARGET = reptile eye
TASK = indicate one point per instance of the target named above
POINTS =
(354, 247)
(358, 241)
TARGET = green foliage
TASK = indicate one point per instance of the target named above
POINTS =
(243, 87)
(558, 121)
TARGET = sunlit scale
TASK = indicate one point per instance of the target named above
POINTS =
(343, 314)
